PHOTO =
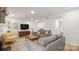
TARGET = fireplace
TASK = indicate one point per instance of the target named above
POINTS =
(24, 33)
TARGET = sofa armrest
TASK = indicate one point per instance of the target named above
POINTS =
(57, 45)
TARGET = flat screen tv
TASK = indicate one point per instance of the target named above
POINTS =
(24, 26)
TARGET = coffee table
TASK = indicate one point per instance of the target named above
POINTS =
(32, 37)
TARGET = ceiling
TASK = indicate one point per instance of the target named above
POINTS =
(40, 12)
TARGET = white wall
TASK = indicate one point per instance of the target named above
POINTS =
(15, 25)
(71, 26)
(50, 24)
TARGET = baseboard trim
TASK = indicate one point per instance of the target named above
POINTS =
(72, 44)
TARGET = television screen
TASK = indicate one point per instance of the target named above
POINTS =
(24, 26)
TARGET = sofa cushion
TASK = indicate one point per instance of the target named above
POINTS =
(44, 41)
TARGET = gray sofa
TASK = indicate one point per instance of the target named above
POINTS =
(50, 43)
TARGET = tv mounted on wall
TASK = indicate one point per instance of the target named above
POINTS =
(24, 26)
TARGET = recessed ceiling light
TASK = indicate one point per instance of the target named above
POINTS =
(32, 12)
(12, 15)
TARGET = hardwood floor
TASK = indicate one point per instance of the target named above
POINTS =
(70, 47)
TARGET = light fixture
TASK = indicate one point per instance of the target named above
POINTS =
(32, 12)
(12, 15)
